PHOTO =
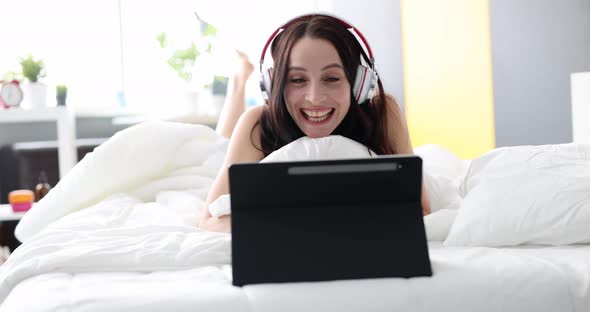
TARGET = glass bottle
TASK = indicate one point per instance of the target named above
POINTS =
(43, 187)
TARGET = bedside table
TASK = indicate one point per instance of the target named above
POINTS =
(8, 221)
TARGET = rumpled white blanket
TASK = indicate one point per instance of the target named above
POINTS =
(140, 161)
(131, 205)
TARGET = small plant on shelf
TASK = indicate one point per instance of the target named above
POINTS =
(32, 69)
(35, 91)
(61, 93)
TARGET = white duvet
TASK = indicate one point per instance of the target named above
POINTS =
(136, 247)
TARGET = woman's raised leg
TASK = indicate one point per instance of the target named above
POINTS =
(235, 99)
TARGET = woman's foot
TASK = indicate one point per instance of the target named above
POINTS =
(235, 99)
(244, 68)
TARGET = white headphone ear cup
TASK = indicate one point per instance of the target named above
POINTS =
(365, 83)
(266, 82)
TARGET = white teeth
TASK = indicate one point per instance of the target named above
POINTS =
(316, 119)
(317, 114)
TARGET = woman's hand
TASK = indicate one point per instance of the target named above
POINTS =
(217, 224)
(242, 148)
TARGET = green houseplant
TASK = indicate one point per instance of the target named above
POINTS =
(191, 62)
(185, 61)
(32, 69)
(35, 91)
(61, 93)
(182, 61)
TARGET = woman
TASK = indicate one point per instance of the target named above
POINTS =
(313, 93)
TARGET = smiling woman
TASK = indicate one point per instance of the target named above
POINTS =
(323, 83)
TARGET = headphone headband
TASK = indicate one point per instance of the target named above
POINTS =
(308, 16)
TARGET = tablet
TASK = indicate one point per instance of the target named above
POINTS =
(327, 220)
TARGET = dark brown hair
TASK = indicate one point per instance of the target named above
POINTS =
(364, 123)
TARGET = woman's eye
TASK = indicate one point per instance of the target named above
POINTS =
(332, 79)
(297, 80)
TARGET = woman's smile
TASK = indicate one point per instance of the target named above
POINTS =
(317, 116)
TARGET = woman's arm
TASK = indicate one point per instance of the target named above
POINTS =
(397, 132)
(241, 149)
(235, 99)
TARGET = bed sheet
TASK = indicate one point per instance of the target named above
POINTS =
(528, 278)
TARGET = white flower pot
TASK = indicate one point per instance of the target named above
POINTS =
(191, 104)
(35, 95)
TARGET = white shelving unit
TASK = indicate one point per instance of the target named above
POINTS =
(6, 213)
(66, 130)
(580, 83)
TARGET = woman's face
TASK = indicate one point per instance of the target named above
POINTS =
(317, 92)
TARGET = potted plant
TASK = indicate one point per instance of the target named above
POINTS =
(61, 93)
(191, 63)
(34, 90)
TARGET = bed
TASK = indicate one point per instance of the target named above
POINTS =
(498, 239)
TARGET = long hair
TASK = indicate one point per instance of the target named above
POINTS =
(364, 123)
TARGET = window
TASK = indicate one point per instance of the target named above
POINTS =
(108, 54)
(77, 40)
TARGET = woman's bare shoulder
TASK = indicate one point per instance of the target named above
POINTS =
(245, 141)
(252, 115)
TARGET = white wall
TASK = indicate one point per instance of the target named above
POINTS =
(380, 22)
(536, 45)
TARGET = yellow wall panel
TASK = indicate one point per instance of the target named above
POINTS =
(448, 74)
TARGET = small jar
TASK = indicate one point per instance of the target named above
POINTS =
(21, 200)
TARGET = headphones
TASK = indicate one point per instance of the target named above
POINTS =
(365, 81)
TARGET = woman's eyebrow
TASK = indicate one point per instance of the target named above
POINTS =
(297, 68)
(333, 65)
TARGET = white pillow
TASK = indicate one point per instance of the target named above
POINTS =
(330, 147)
(439, 161)
(128, 160)
(438, 224)
(441, 193)
(526, 195)
(443, 174)
(304, 148)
